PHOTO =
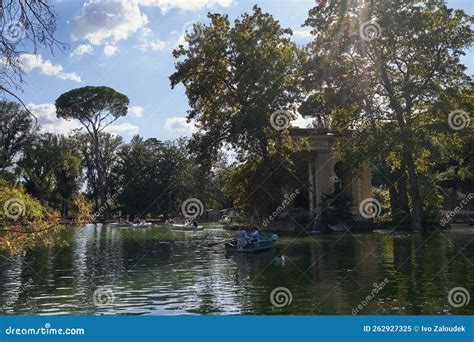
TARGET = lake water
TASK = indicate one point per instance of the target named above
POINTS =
(155, 271)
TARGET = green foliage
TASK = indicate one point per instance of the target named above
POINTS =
(24, 222)
(256, 186)
(87, 104)
(335, 207)
(383, 197)
(50, 165)
(391, 93)
(24, 208)
(107, 148)
(300, 215)
(82, 210)
(147, 170)
(235, 78)
(16, 129)
(433, 204)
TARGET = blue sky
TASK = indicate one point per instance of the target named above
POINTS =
(127, 44)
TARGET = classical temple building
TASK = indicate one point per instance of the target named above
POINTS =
(325, 166)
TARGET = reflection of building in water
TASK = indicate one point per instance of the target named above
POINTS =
(325, 168)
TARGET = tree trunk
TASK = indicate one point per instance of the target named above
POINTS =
(407, 160)
(396, 198)
(100, 177)
(403, 196)
(394, 206)
(417, 204)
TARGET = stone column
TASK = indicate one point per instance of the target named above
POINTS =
(317, 190)
(324, 172)
(366, 182)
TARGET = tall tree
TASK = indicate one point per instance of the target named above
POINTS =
(235, 78)
(95, 108)
(68, 173)
(16, 130)
(147, 170)
(378, 67)
(109, 146)
(50, 167)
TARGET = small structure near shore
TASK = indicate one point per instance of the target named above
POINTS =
(325, 166)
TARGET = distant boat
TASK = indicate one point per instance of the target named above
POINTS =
(130, 224)
(265, 243)
(143, 224)
(121, 224)
(338, 228)
(186, 227)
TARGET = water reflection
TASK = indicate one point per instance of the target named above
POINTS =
(156, 271)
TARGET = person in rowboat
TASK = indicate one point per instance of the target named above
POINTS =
(255, 234)
(242, 238)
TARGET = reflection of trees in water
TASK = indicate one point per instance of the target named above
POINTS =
(12, 269)
(188, 277)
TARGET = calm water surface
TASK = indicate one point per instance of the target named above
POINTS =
(155, 271)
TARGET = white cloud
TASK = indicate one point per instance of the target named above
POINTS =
(82, 49)
(187, 5)
(302, 34)
(157, 45)
(105, 21)
(181, 41)
(120, 129)
(135, 111)
(30, 62)
(46, 115)
(179, 126)
(146, 41)
(101, 20)
(110, 50)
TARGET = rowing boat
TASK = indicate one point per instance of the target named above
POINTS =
(252, 247)
(143, 224)
(186, 227)
(129, 224)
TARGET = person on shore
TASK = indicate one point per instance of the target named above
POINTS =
(195, 224)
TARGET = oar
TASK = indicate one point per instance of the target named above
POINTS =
(218, 243)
